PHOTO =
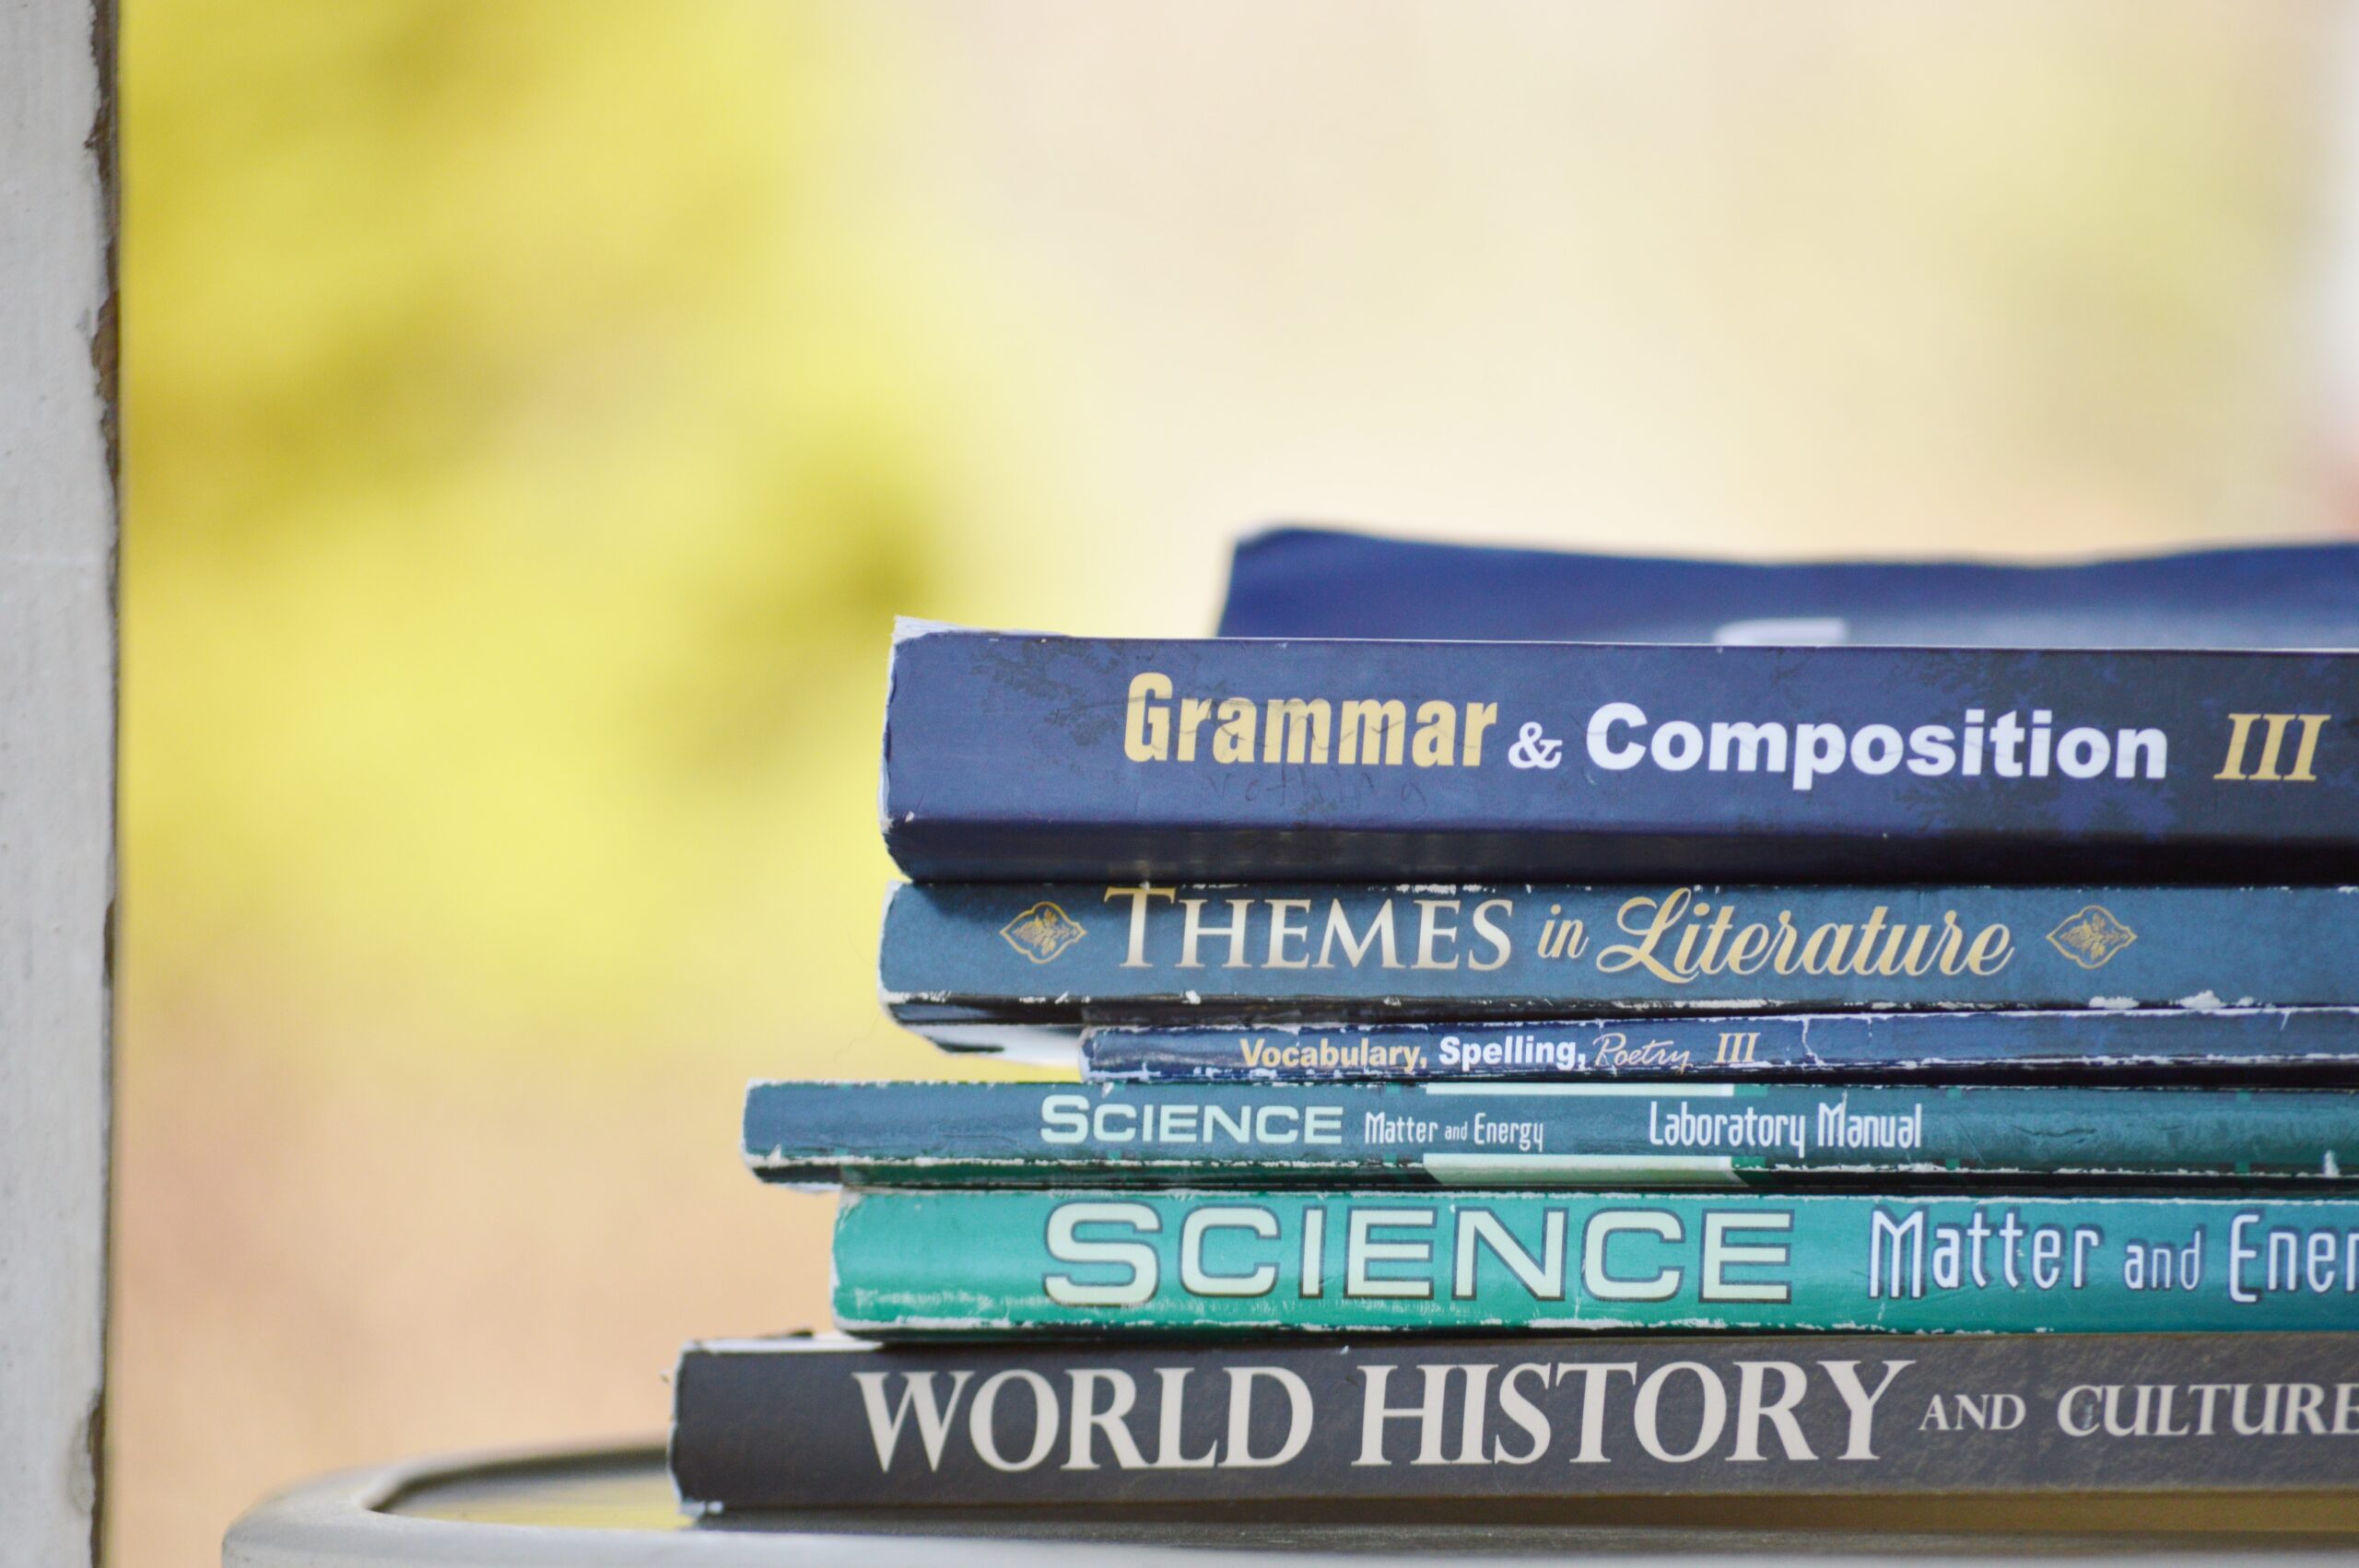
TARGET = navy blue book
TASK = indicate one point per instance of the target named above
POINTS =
(2313, 1043)
(1598, 1134)
(1011, 757)
(1331, 583)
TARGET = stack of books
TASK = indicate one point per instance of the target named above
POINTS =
(1862, 1030)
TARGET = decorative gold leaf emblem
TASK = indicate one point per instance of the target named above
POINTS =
(2091, 936)
(1042, 931)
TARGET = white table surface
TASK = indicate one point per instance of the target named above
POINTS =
(602, 1509)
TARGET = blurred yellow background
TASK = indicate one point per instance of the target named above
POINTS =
(537, 410)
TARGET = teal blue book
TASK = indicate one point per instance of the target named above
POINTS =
(962, 960)
(986, 1261)
(1598, 1133)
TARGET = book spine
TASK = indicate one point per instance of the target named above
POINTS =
(1570, 1135)
(772, 1425)
(1140, 953)
(1022, 757)
(1877, 1045)
(912, 1262)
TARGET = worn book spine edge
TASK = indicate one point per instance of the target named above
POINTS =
(834, 1422)
(2052, 1044)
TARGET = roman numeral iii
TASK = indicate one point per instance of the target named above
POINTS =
(2273, 746)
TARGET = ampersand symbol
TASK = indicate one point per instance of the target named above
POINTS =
(1532, 749)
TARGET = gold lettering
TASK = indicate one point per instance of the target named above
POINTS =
(2273, 748)
(1374, 727)
(1870, 929)
(1193, 711)
(1281, 932)
(2309, 752)
(1953, 939)
(1491, 932)
(1666, 911)
(1193, 930)
(1429, 933)
(1233, 741)
(1296, 729)
(1827, 959)
(1992, 947)
(1300, 730)
(2234, 768)
(1710, 941)
(1339, 927)
(1562, 939)
(1138, 898)
(2265, 771)
(1480, 716)
(1709, 962)
(1147, 723)
(1685, 959)
(1436, 742)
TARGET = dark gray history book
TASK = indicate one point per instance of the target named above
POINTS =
(835, 1422)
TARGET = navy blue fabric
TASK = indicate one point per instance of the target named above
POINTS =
(1329, 583)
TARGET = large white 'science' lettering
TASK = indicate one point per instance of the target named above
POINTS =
(1637, 1253)
(1621, 736)
(1351, 731)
